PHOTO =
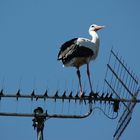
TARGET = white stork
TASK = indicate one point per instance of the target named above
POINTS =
(79, 51)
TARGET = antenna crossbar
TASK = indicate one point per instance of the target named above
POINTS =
(46, 115)
(92, 97)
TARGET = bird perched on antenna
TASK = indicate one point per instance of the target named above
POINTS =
(79, 51)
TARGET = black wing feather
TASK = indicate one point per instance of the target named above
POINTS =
(66, 47)
(79, 51)
(70, 50)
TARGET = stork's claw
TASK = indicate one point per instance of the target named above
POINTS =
(81, 93)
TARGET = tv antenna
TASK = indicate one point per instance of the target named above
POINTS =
(117, 99)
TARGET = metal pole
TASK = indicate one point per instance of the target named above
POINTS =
(38, 122)
(40, 133)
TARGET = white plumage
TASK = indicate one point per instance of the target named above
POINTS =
(79, 51)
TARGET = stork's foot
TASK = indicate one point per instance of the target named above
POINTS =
(91, 93)
(81, 93)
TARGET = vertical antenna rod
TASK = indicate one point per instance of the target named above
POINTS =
(38, 122)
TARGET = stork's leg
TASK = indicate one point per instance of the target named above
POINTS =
(79, 78)
(88, 73)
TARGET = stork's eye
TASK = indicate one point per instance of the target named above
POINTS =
(92, 26)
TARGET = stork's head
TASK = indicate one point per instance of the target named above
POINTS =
(95, 28)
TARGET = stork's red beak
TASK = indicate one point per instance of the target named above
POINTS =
(99, 27)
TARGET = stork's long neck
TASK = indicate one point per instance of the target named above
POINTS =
(95, 37)
(95, 40)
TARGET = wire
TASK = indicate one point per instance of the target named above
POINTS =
(112, 118)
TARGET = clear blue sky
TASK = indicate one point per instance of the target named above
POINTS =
(31, 32)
